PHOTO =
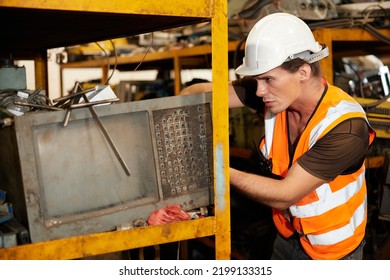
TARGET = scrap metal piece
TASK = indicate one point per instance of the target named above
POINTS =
(93, 103)
(39, 106)
(63, 99)
(67, 101)
(72, 102)
(66, 119)
(105, 133)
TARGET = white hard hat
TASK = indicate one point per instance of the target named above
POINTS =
(276, 38)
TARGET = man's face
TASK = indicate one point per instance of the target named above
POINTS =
(278, 88)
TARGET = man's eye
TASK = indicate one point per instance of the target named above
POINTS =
(267, 80)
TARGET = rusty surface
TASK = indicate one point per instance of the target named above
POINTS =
(95, 244)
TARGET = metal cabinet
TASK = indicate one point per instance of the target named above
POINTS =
(39, 25)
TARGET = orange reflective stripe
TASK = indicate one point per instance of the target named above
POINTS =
(341, 213)
(338, 250)
(343, 180)
(318, 224)
(310, 198)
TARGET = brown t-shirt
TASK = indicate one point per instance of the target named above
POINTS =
(341, 151)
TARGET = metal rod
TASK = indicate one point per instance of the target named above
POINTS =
(72, 98)
(39, 106)
(89, 104)
(107, 136)
(67, 117)
(73, 95)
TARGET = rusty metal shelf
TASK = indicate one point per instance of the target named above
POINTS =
(197, 57)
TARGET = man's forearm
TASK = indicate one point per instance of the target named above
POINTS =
(261, 189)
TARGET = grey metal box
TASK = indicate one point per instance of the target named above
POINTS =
(66, 181)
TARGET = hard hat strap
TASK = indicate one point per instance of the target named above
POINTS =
(318, 56)
(310, 57)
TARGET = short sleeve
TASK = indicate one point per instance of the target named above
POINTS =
(341, 151)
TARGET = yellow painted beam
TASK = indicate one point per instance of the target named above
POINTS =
(329, 35)
(375, 162)
(198, 8)
(152, 56)
(357, 34)
(107, 242)
(220, 111)
(324, 36)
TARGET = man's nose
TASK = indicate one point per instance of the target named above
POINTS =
(261, 88)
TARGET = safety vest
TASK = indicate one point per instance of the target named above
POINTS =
(331, 220)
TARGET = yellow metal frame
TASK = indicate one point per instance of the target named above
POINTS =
(108, 242)
(217, 225)
(199, 8)
(329, 35)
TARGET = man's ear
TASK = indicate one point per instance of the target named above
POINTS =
(304, 72)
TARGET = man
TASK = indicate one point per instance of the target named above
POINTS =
(316, 139)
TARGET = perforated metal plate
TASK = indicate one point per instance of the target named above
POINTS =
(184, 146)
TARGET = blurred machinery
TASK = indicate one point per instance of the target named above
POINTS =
(384, 191)
(317, 13)
(11, 75)
(362, 76)
(367, 79)
(253, 10)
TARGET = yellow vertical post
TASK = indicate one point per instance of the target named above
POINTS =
(220, 113)
(105, 70)
(324, 36)
(40, 67)
(177, 70)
